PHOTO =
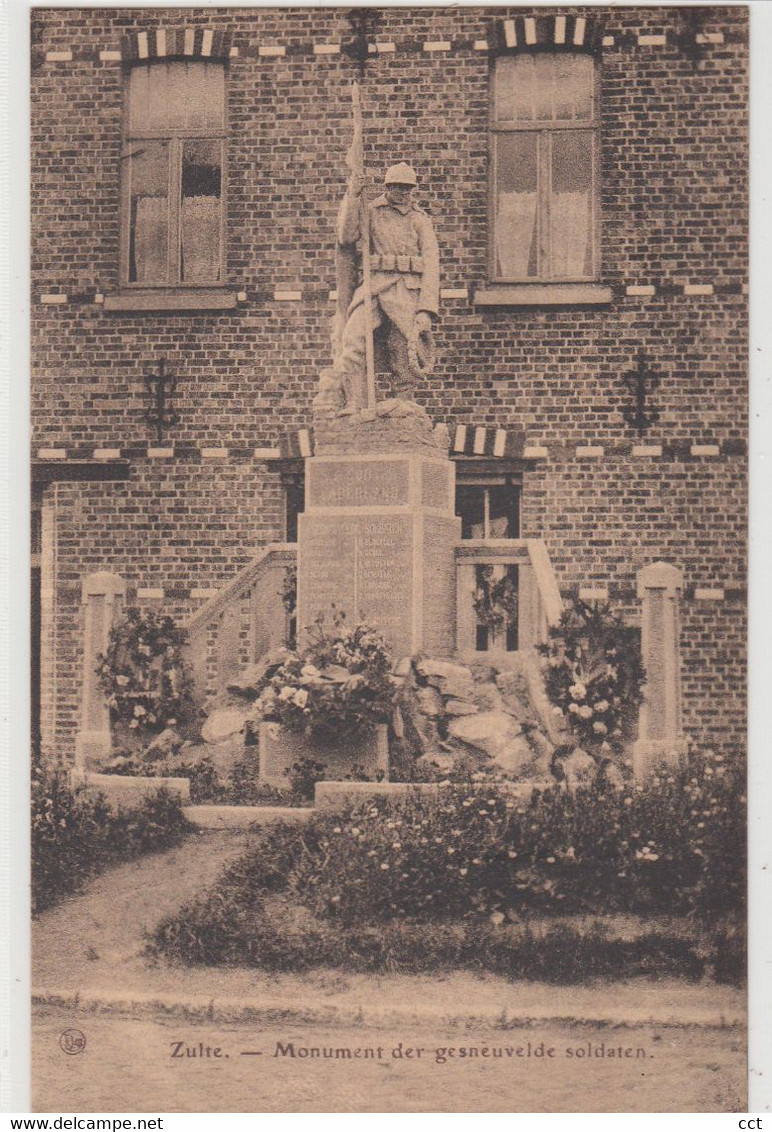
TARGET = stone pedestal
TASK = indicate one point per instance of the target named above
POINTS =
(378, 534)
(660, 738)
(280, 748)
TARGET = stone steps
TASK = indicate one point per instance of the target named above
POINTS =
(239, 817)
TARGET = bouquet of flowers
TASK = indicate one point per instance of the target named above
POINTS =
(337, 684)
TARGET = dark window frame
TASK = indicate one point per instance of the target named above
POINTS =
(543, 279)
(485, 473)
(175, 137)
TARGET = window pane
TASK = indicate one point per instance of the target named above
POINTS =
(571, 204)
(544, 89)
(470, 505)
(201, 211)
(515, 88)
(516, 211)
(149, 212)
(177, 96)
(573, 87)
(503, 520)
(213, 96)
(175, 93)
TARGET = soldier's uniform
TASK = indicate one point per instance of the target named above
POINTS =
(405, 279)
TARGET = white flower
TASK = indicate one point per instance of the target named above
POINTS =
(300, 698)
(139, 710)
(122, 681)
(602, 705)
(585, 711)
(557, 711)
(578, 691)
(599, 728)
(497, 918)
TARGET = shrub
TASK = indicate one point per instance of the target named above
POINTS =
(675, 847)
(337, 685)
(76, 835)
(594, 676)
(223, 930)
(145, 678)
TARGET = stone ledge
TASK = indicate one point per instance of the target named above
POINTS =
(543, 295)
(171, 299)
(240, 817)
(335, 795)
(127, 789)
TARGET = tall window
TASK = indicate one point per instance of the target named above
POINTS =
(544, 168)
(173, 222)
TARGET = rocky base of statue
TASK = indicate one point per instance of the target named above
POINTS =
(394, 425)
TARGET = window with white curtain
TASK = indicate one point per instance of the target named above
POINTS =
(173, 158)
(544, 168)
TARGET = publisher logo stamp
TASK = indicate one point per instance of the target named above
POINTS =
(72, 1041)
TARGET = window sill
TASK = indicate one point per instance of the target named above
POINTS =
(172, 299)
(543, 295)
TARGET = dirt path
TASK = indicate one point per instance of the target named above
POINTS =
(85, 939)
(127, 1066)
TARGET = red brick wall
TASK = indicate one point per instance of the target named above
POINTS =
(673, 131)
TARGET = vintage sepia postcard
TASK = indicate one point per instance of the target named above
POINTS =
(389, 402)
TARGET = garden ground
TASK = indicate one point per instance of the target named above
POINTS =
(89, 973)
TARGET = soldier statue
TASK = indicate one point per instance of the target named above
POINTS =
(400, 285)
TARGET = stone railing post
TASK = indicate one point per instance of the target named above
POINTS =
(102, 598)
(660, 738)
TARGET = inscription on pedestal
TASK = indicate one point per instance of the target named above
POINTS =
(384, 580)
(376, 540)
(439, 584)
(327, 569)
(364, 565)
(366, 483)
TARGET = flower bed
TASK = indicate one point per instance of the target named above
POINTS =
(479, 859)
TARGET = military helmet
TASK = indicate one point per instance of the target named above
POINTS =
(401, 174)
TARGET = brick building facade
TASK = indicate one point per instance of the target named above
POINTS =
(586, 173)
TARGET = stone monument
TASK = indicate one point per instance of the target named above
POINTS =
(378, 533)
